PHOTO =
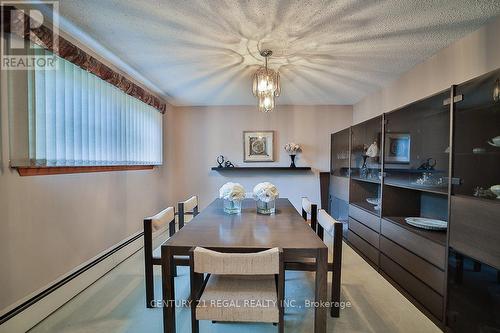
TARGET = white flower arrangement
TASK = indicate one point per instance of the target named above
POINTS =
(292, 148)
(265, 192)
(232, 192)
(372, 151)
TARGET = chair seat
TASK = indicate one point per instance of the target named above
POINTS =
(240, 298)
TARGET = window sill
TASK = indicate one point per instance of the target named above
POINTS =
(43, 171)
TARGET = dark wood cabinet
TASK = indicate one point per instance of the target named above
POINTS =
(436, 158)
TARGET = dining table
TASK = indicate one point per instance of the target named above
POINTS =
(247, 232)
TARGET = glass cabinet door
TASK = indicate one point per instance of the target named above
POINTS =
(365, 150)
(417, 144)
(340, 153)
(476, 145)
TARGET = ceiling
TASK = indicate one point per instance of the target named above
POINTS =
(328, 52)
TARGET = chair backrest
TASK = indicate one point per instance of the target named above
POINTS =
(156, 223)
(188, 207)
(309, 208)
(331, 226)
(260, 263)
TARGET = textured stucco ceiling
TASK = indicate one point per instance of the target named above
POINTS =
(328, 52)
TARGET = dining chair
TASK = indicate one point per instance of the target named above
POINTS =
(154, 226)
(309, 209)
(326, 223)
(238, 287)
(187, 208)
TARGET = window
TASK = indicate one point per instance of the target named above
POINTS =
(77, 119)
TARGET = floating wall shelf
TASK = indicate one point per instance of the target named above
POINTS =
(276, 168)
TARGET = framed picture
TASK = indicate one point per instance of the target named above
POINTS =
(258, 146)
(397, 148)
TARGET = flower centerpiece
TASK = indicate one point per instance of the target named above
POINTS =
(292, 149)
(232, 194)
(265, 194)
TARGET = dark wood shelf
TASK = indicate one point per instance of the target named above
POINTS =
(367, 207)
(436, 236)
(275, 168)
(366, 180)
(409, 186)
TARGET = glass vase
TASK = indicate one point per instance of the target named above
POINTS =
(266, 208)
(232, 207)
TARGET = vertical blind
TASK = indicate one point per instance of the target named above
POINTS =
(77, 119)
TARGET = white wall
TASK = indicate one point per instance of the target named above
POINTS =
(203, 133)
(470, 56)
(51, 224)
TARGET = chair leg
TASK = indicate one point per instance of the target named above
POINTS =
(335, 309)
(150, 294)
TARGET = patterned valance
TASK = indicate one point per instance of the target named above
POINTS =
(43, 36)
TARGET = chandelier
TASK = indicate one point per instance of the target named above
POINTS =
(266, 85)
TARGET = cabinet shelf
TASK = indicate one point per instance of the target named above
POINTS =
(434, 190)
(367, 207)
(366, 180)
(433, 235)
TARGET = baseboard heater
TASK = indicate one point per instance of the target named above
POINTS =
(107, 259)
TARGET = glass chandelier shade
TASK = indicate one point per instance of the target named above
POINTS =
(266, 85)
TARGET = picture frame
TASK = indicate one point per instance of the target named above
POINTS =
(258, 146)
(397, 148)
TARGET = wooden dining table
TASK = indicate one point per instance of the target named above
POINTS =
(247, 232)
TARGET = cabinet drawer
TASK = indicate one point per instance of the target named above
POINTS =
(364, 247)
(423, 247)
(364, 232)
(431, 300)
(364, 217)
(428, 273)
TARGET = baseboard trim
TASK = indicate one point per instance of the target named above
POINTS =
(37, 307)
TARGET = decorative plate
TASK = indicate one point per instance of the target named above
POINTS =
(429, 224)
(491, 143)
(373, 201)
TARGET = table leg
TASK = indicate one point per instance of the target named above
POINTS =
(167, 273)
(321, 290)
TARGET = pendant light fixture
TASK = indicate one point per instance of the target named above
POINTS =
(266, 85)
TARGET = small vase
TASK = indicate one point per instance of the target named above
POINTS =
(266, 208)
(363, 172)
(232, 207)
(292, 165)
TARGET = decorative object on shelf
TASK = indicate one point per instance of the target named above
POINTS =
(265, 194)
(478, 150)
(375, 202)
(496, 190)
(232, 194)
(496, 91)
(266, 85)
(220, 161)
(292, 149)
(428, 179)
(480, 192)
(495, 142)
(428, 165)
(371, 151)
(425, 223)
(258, 146)
(228, 164)
(397, 148)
